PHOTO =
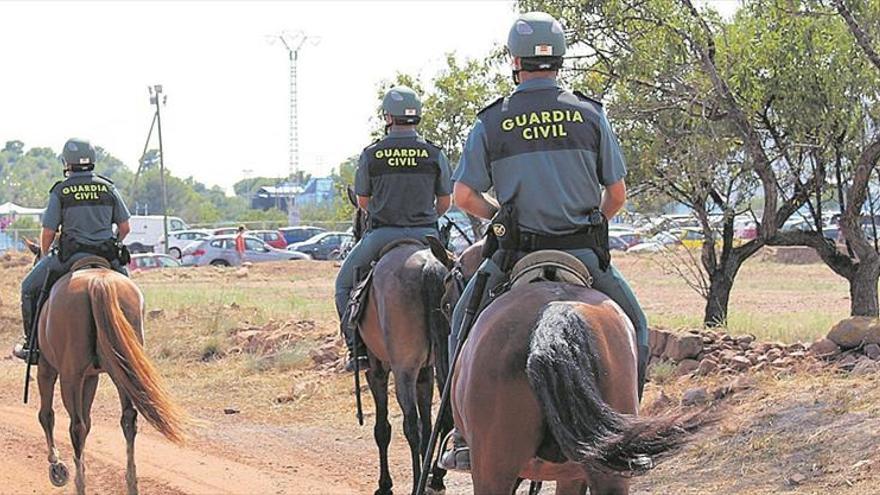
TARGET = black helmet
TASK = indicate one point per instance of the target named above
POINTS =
(78, 155)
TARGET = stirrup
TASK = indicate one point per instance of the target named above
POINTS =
(363, 364)
(21, 352)
(458, 458)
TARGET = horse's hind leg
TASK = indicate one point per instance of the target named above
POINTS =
(604, 484)
(46, 378)
(77, 394)
(425, 390)
(129, 429)
(405, 386)
(377, 377)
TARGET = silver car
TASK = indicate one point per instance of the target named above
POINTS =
(220, 251)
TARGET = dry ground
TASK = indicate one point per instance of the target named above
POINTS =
(792, 433)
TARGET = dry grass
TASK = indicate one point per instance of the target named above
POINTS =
(817, 426)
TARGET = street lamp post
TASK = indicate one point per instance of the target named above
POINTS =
(157, 98)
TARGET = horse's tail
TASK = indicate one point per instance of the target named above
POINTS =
(123, 357)
(562, 367)
(433, 274)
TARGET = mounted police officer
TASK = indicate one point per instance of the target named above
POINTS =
(558, 174)
(403, 182)
(85, 206)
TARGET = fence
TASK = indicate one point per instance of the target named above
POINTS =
(13, 240)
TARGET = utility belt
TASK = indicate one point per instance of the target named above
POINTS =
(505, 234)
(111, 250)
(375, 224)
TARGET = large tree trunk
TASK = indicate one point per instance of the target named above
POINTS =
(720, 285)
(863, 289)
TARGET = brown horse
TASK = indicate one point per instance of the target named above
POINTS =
(406, 334)
(545, 389)
(93, 323)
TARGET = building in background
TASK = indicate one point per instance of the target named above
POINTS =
(317, 191)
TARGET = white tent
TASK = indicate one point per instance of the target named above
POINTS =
(14, 209)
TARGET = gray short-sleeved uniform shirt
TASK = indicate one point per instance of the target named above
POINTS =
(546, 149)
(402, 174)
(86, 206)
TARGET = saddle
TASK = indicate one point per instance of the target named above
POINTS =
(90, 262)
(357, 300)
(550, 266)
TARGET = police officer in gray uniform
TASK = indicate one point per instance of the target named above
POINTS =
(85, 206)
(552, 155)
(403, 182)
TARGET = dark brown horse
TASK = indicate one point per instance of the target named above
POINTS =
(545, 389)
(93, 323)
(406, 334)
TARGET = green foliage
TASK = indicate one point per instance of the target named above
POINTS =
(456, 94)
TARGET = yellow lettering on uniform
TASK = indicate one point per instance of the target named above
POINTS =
(545, 117)
(558, 115)
(534, 119)
(577, 117)
(522, 120)
(528, 133)
(507, 125)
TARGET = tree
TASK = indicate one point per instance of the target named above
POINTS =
(677, 75)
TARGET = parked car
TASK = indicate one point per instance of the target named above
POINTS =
(656, 243)
(177, 241)
(225, 231)
(273, 238)
(616, 243)
(299, 234)
(220, 251)
(321, 246)
(151, 261)
(147, 230)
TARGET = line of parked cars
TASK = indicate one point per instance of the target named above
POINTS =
(201, 247)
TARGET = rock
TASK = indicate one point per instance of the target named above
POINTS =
(683, 347)
(741, 383)
(745, 339)
(707, 366)
(695, 397)
(283, 398)
(324, 356)
(796, 479)
(847, 362)
(740, 363)
(687, 366)
(797, 354)
(872, 351)
(865, 366)
(231, 410)
(824, 348)
(852, 332)
(657, 341)
(155, 313)
(241, 272)
(760, 366)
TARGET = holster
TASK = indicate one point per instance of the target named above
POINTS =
(111, 250)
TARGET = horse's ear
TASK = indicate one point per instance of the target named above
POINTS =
(32, 246)
(439, 251)
(351, 196)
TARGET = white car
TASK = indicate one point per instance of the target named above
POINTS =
(178, 241)
(148, 230)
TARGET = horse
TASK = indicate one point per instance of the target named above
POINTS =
(405, 333)
(545, 389)
(92, 323)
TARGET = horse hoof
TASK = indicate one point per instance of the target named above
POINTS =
(58, 474)
(435, 491)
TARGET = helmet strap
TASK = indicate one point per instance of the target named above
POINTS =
(514, 73)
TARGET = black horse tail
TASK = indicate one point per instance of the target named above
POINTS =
(562, 367)
(433, 275)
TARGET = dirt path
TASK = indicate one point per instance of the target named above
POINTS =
(163, 468)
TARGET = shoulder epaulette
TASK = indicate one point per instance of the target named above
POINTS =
(582, 96)
(105, 178)
(52, 189)
(490, 105)
(374, 143)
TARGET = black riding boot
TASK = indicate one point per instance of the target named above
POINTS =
(27, 317)
(356, 348)
(458, 458)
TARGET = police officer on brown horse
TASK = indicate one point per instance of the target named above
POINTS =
(84, 206)
(558, 174)
(403, 182)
